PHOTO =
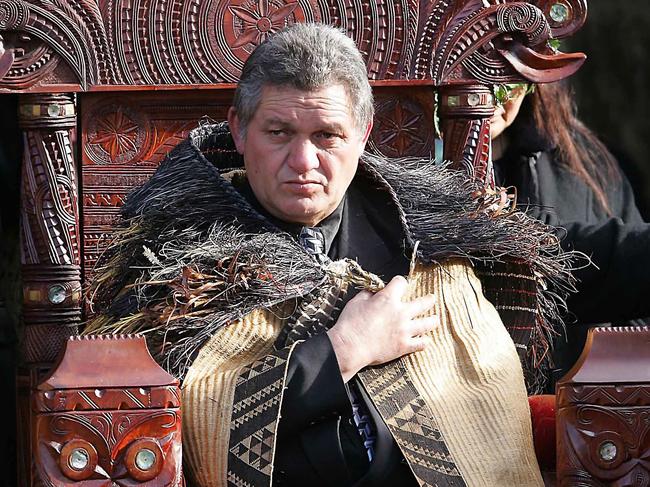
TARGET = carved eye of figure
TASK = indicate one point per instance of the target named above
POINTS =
(144, 459)
(607, 450)
(78, 459)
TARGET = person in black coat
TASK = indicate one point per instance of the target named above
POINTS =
(567, 178)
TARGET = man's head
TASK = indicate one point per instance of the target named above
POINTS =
(301, 117)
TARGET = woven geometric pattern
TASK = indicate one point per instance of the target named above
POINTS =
(412, 424)
(513, 289)
(256, 410)
(314, 314)
(471, 381)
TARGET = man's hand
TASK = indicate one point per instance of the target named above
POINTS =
(376, 328)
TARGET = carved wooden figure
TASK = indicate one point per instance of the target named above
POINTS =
(603, 405)
(140, 73)
(100, 424)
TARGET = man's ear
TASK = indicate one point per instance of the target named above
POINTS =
(235, 129)
(367, 132)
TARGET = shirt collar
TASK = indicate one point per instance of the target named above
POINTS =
(329, 226)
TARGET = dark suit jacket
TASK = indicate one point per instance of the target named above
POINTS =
(318, 444)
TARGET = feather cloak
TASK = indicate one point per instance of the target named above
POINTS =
(223, 296)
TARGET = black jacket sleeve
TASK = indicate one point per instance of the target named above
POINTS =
(314, 386)
(615, 288)
(622, 201)
(318, 444)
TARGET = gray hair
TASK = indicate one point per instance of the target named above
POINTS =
(307, 57)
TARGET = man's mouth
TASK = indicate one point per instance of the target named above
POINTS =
(308, 182)
(303, 187)
(303, 181)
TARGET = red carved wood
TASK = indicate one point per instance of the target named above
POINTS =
(50, 243)
(603, 404)
(197, 43)
(403, 125)
(124, 139)
(113, 428)
(180, 43)
(465, 111)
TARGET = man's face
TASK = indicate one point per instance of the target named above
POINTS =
(301, 151)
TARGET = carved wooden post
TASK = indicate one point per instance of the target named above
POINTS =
(603, 411)
(465, 112)
(50, 247)
(118, 427)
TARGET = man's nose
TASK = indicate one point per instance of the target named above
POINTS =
(303, 156)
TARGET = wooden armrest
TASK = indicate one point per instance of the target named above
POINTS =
(108, 411)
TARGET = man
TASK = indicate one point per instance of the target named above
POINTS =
(301, 148)
(238, 277)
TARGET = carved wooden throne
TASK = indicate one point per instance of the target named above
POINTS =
(108, 87)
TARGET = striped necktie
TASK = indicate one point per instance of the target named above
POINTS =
(362, 419)
(313, 241)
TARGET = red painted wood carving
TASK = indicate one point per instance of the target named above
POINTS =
(121, 427)
(403, 123)
(51, 246)
(465, 112)
(603, 404)
(124, 139)
(176, 42)
(203, 42)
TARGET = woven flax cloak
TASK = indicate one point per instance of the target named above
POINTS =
(224, 296)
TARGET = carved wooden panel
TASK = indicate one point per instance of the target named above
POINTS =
(50, 246)
(113, 440)
(609, 444)
(122, 427)
(603, 422)
(190, 42)
(124, 138)
(403, 124)
(465, 121)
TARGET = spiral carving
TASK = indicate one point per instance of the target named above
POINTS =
(13, 15)
(526, 19)
(178, 42)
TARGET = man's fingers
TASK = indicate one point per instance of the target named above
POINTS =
(422, 326)
(395, 289)
(422, 304)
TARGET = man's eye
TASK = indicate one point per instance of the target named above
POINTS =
(277, 132)
(328, 135)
